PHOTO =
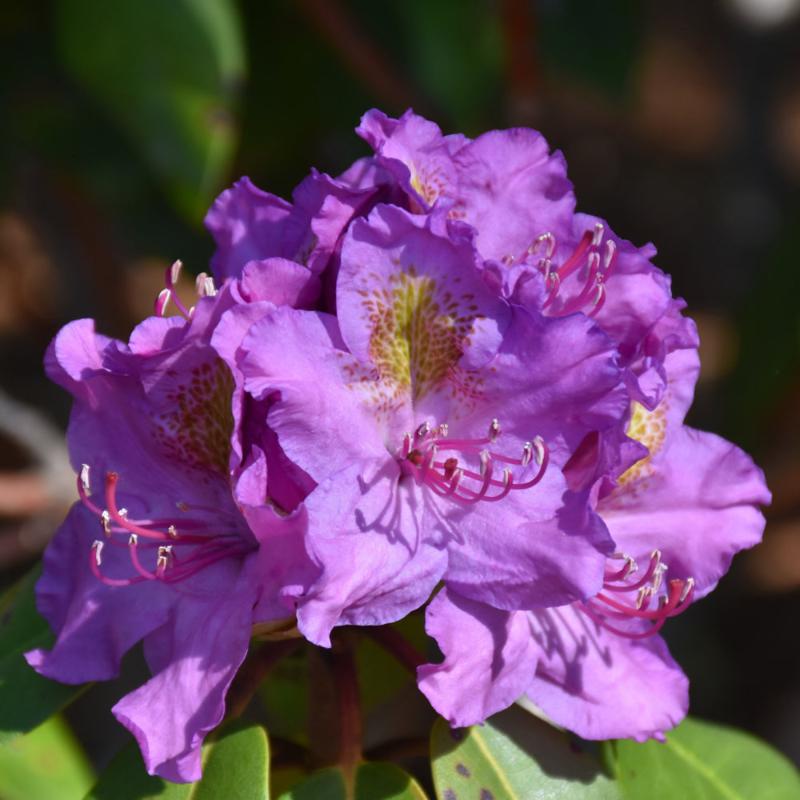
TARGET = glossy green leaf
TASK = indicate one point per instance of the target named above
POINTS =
(387, 782)
(235, 767)
(514, 756)
(44, 764)
(374, 781)
(169, 73)
(703, 761)
(26, 698)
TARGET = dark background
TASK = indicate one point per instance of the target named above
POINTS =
(680, 121)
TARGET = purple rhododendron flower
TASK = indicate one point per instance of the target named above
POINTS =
(599, 667)
(172, 542)
(430, 371)
(392, 408)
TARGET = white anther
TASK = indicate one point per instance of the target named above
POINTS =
(175, 270)
(423, 430)
(172, 531)
(162, 302)
(630, 566)
(485, 457)
(597, 237)
(133, 540)
(643, 595)
(658, 576)
(191, 312)
(164, 555)
(506, 478)
(538, 444)
(456, 479)
(105, 521)
(600, 290)
(608, 255)
(656, 556)
(527, 453)
(444, 429)
(123, 512)
(494, 430)
(85, 478)
(592, 263)
(687, 587)
(97, 546)
(205, 285)
(549, 242)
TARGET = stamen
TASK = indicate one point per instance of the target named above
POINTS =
(587, 251)
(207, 545)
(205, 285)
(162, 301)
(171, 279)
(605, 608)
(447, 477)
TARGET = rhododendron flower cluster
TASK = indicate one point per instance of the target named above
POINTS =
(427, 381)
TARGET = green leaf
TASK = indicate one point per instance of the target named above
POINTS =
(26, 698)
(704, 761)
(169, 74)
(387, 782)
(235, 767)
(326, 783)
(373, 781)
(514, 756)
(46, 763)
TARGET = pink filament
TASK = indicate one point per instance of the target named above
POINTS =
(446, 477)
(604, 609)
(598, 270)
(207, 550)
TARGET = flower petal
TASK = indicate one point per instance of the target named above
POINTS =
(489, 658)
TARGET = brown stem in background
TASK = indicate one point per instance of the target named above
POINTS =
(345, 676)
(397, 646)
(255, 668)
(362, 58)
(522, 71)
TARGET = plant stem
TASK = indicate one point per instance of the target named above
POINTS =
(253, 671)
(397, 646)
(345, 676)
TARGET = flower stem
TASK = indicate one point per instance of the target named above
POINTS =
(345, 676)
(397, 646)
(253, 671)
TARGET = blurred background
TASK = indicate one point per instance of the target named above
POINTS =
(680, 121)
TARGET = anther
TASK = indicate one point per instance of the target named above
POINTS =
(423, 430)
(485, 458)
(97, 546)
(175, 271)
(643, 597)
(172, 531)
(687, 589)
(85, 478)
(540, 450)
(597, 237)
(494, 430)
(527, 453)
(205, 285)
(163, 558)
(105, 521)
(162, 301)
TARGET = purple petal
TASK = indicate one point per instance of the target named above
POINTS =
(194, 660)
(489, 659)
(603, 686)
